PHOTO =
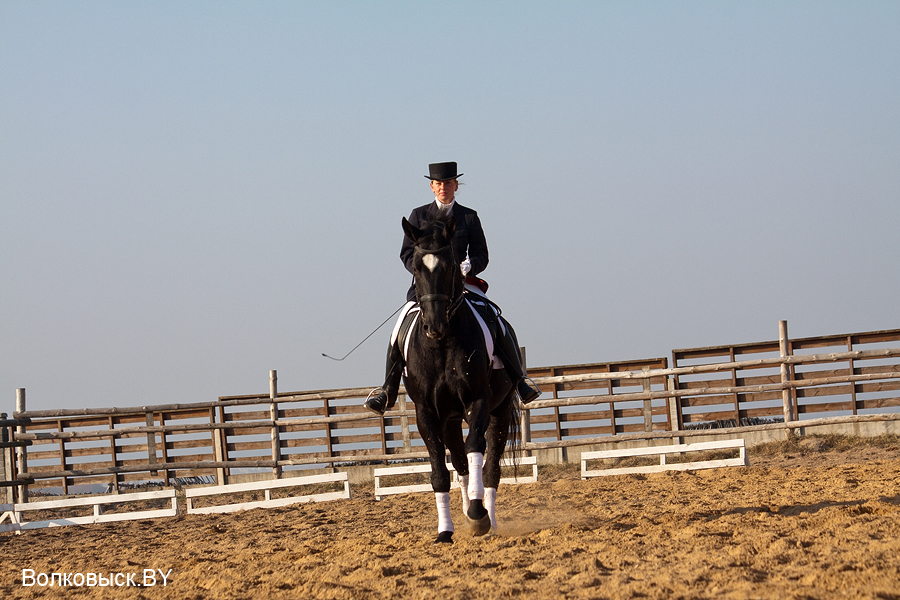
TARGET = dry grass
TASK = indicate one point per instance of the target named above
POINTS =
(812, 444)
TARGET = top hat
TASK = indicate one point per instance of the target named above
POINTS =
(444, 171)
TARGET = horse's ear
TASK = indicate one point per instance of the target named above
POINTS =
(411, 232)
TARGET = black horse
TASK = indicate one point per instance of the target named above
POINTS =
(450, 378)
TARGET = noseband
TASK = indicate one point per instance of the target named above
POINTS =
(454, 303)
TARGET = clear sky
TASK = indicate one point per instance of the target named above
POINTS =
(194, 193)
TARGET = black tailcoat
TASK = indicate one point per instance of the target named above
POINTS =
(469, 238)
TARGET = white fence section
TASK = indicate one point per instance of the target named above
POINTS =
(6, 512)
(15, 511)
(385, 490)
(268, 486)
(740, 461)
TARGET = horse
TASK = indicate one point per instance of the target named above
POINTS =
(450, 378)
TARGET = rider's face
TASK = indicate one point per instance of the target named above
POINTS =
(444, 190)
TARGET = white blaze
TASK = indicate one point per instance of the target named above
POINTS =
(430, 261)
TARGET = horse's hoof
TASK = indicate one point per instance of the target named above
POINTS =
(444, 537)
(481, 526)
(478, 518)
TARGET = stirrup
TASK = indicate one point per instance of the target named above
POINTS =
(535, 390)
(372, 403)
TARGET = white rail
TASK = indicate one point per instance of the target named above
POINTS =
(662, 451)
(267, 486)
(97, 502)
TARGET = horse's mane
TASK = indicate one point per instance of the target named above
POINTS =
(436, 233)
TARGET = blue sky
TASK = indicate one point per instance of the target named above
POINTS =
(193, 193)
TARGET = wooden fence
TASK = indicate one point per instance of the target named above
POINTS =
(857, 377)
(851, 374)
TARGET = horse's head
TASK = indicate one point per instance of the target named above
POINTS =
(439, 283)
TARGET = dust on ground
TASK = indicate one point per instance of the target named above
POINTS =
(819, 518)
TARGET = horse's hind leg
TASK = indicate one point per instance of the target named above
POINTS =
(497, 436)
(477, 418)
(476, 514)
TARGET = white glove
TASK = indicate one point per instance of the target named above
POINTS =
(465, 266)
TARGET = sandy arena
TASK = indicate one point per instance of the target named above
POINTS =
(803, 522)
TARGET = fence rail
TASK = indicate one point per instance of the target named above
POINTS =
(852, 376)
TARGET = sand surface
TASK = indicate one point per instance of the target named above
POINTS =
(812, 525)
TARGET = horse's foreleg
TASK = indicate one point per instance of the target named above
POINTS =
(478, 417)
(440, 483)
(476, 475)
(440, 474)
(445, 521)
(456, 445)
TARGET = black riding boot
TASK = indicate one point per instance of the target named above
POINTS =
(385, 397)
(508, 350)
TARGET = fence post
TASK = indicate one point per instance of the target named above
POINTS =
(784, 349)
(273, 411)
(112, 457)
(525, 418)
(219, 438)
(6, 465)
(648, 403)
(21, 450)
(150, 420)
(674, 405)
(404, 425)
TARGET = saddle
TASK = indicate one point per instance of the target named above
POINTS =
(486, 312)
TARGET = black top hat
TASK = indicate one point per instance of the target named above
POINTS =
(442, 171)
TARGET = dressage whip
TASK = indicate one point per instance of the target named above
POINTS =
(367, 337)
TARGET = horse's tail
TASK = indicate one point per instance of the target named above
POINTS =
(514, 435)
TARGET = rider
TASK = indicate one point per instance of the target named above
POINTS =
(469, 242)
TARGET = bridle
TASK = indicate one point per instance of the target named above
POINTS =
(454, 303)
(454, 299)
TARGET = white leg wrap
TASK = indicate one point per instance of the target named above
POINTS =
(490, 504)
(445, 522)
(476, 483)
(464, 489)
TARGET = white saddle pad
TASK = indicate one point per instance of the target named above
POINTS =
(412, 306)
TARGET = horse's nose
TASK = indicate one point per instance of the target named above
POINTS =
(433, 333)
